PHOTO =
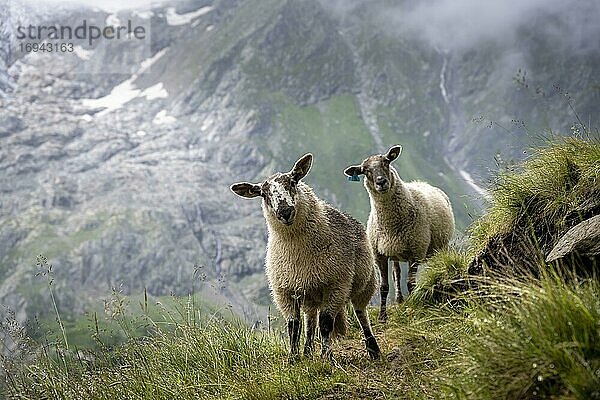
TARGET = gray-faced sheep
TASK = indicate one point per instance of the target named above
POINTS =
(318, 259)
(409, 221)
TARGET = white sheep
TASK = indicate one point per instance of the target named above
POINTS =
(318, 259)
(408, 221)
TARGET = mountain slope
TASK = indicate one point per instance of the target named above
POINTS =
(137, 193)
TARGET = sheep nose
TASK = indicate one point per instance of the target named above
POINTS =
(287, 213)
(380, 180)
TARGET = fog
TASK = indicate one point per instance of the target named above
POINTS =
(460, 25)
(107, 5)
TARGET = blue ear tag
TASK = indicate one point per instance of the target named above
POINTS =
(354, 178)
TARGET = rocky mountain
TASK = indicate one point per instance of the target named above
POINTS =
(117, 158)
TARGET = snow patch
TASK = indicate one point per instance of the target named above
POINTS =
(162, 118)
(143, 14)
(113, 20)
(467, 177)
(147, 63)
(155, 92)
(82, 53)
(207, 123)
(196, 23)
(119, 95)
(210, 28)
(443, 80)
(127, 91)
(175, 19)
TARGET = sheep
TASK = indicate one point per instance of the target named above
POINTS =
(318, 260)
(408, 221)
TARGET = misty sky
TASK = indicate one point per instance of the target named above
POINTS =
(108, 5)
(461, 24)
(457, 25)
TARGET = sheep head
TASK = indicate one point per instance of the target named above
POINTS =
(377, 170)
(279, 191)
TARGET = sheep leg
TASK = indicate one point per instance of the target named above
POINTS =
(310, 320)
(382, 262)
(411, 279)
(370, 341)
(294, 329)
(398, 281)
(326, 327)
(294, 335)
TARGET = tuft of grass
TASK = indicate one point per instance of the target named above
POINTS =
(535, 339)
(444, 276)
(535, 203)
(559, 180)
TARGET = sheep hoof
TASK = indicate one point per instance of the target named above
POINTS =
(373, 348)
(382, 317)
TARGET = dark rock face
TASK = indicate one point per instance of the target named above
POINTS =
(123, 178)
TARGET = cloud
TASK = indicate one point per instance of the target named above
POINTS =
(107, 5)
(458, 25)
(461, 25)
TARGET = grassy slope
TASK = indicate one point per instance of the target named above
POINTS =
(538, 338)
(560, 179)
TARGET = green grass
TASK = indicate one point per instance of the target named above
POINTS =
(122, 317)
(172, 351)
(445, 275)
(534, 340)
(559, 180)
(510, 339)
(212, 360)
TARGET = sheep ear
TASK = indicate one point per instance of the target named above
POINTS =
(302, 167)
(393, 152)
(353, 170)
(246, 190)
